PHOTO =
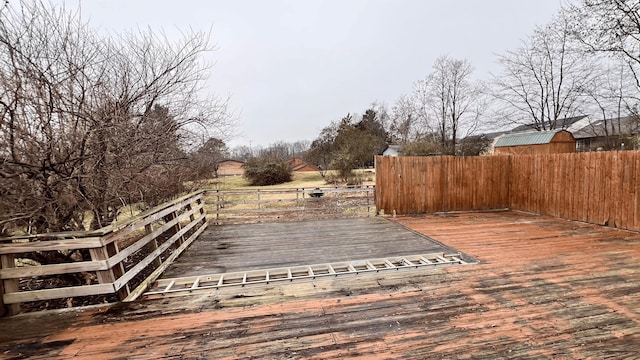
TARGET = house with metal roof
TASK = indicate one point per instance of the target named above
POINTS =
(535, 142)
(609, 134)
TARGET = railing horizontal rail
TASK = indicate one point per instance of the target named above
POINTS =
(43, 245)
(54, 269)
(57, 293)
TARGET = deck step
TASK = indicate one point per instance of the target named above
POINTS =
(188, 285)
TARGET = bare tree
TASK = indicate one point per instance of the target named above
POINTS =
(91, 123)
(449, 101)
(543, 80)
(403, 127)
(241, 152)
(608, 26)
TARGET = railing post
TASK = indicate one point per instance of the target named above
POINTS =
(154, 246)
(304, 205)
(8, 286)
(368, 204)
(175, 228)
(3, 308)
(202, 211)
(109, 276)
(337, 202)
(217, 207)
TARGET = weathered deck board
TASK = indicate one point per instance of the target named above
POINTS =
(546, 289)
(230, 248)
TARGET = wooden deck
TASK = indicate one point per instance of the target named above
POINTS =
(233, 248)
(546, 289)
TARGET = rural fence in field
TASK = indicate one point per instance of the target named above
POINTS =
(597, 187)
(289, 204)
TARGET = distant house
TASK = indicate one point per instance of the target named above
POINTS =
(570, 124)
(298, 164)
(230, 167)
(535, 142)
(591, 135)
(392, 150)
(608, 134)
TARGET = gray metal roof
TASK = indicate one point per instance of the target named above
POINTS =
(526, 138)
(558, 124)
(627, 125)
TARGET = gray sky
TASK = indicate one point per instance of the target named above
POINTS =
(293, 66)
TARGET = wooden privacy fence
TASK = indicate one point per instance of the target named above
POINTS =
(122, 258)
(287, 204)
(597, 187)
(416, 184)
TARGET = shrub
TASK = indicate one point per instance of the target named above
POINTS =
(267, 171)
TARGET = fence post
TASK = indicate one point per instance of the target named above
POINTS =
(3, 309)
(202, 210)
(337, 201)
(217, 207)
(175, 228)
(304, 205)
(154, 246)
(368, 204)
(8, 286)
(258, 199)
(109, 276)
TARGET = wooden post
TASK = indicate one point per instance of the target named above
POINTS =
(3, 308)
(368, 205)
(202, 212)
(258, 213)
(217, 207)
(8, 286)
(337, 202)
(258, 199)
(304, 205)
(154, 246)
(109, 276)
(175, 228)
(192, 216)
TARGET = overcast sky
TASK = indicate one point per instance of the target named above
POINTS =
(291, 67)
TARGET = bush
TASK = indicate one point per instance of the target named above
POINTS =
(267, 171)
